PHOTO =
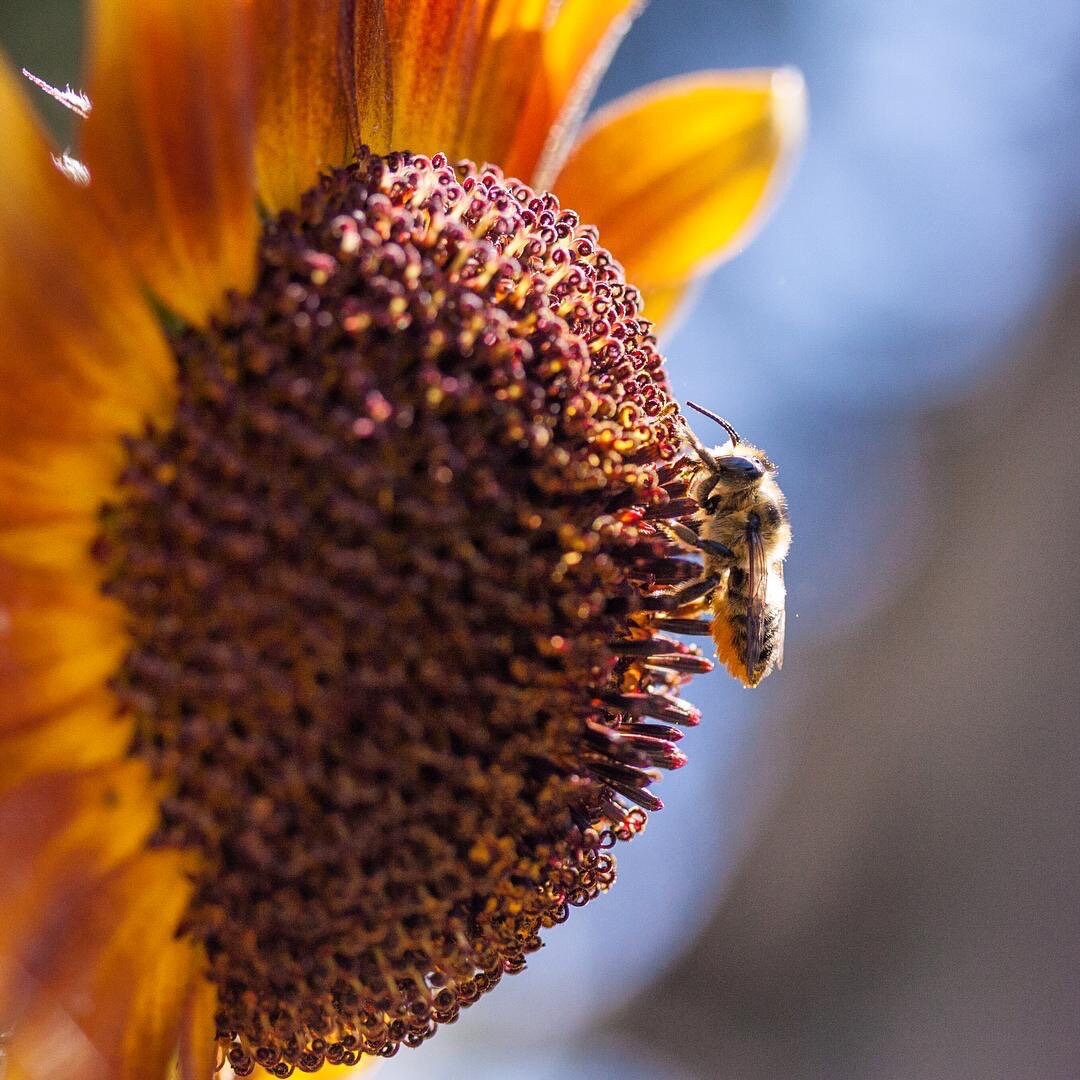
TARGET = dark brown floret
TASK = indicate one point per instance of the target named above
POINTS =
(386, 575)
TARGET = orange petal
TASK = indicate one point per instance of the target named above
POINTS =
(677, 177)
(82, 359)
(301, 111)
(577, 48)
(88, 962)
(101, 996)
(198, 1054)
(149, 1032)
(508, 58)
(462, 70)
(169, 143)
(57, 834)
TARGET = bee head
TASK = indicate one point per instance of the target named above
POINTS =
(732, 467)
(741, 466)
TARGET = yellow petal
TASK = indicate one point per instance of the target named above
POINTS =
(301, 110)
(677, 177)
(84, 734)
(60, 547)
(82, 362)
(508, 58)
(59, 639)
(56, 483)
(462, 70)
(169, 143)
(149, 1032)
(663, 303)
(577, 47)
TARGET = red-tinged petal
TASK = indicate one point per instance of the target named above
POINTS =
(169, 143)
(302, 118)
(369, 88)
(462, 70)
(577, 47)
(677, 177)
(101, 995)
(198, 1055)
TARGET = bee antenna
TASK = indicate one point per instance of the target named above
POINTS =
(719, 419)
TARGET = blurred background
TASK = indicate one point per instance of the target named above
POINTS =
(870, 867)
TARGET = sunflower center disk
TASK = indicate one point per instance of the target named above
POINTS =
(386, 574)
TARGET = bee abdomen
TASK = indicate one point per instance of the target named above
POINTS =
(732, 638)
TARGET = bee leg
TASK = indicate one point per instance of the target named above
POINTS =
(682, 595)
(684, 533)
(714, 547)
(708, 486)
(710, 547)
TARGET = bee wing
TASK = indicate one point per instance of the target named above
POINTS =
(757, 585)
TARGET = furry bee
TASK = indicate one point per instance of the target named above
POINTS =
(743, 532)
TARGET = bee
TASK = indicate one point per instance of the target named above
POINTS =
(742, 530)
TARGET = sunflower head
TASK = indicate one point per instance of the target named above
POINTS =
(333, 607)
(383, 571)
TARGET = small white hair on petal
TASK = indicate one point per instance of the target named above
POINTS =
(72, 168)
(75, 100)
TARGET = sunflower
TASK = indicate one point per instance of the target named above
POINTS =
(333, 471)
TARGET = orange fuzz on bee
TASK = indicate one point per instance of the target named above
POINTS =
(741, 527)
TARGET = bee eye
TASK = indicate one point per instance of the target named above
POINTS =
(743, 469)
